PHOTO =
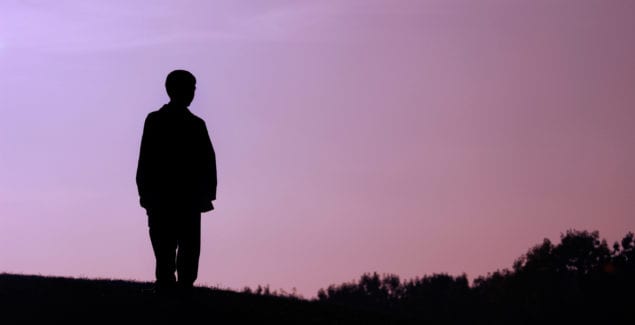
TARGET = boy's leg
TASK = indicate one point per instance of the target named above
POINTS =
(164, 241)
(189, 248)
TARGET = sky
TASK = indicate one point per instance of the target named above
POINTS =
(407, 137)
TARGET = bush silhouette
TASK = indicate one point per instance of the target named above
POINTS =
(578, 279)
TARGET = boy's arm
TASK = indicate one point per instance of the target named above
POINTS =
(143, 166)
(209, 177)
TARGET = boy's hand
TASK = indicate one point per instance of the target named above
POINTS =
(207, 206)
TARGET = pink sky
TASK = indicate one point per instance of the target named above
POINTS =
(408, 137)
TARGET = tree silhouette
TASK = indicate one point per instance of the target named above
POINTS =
(580, 279)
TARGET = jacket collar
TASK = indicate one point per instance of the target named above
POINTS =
(174, 109)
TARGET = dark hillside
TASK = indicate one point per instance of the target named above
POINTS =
(582, 279)
(26, 299)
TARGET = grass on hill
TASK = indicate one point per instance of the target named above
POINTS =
(26, 299)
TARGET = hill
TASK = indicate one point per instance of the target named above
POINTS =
(582, 279)
(26, 299)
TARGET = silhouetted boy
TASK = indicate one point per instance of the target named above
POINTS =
(176, 179)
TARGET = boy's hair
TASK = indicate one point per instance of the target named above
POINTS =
(178, 81)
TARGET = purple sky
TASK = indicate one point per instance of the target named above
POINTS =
(408, 137)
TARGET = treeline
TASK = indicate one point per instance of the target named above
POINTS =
(581, 279)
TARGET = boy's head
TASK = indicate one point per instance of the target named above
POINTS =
(180, 85)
